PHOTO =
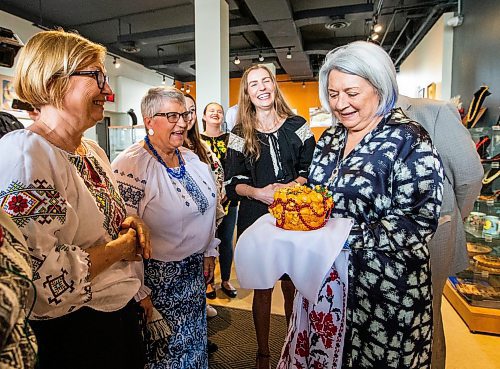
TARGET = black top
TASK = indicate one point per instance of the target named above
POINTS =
(285, 155)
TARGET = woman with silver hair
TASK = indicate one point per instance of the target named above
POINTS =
(387, 177)
(175, 193)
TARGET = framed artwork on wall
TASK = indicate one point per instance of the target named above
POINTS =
(431, 91)
(8, 93)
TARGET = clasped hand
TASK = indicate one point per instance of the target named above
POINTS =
(135, 235)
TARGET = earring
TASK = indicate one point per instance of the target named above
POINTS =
(151, 132)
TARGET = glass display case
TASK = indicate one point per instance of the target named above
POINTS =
(121, 137)
(475, 292)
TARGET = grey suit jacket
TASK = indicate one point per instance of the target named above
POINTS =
(463, 170)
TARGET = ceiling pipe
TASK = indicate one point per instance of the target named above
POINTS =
(399, 35)
(389, 26)
(417, 34)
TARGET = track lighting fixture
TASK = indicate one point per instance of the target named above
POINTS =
(182, 87)
(303, 84)
(236, 60)
(374, 36)
(163, 80)
(188, 89)
(377, 28)
(116, 63)
(289, 53)
(261, 58)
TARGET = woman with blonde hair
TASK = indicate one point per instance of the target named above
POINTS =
(269, 147)
(61, 193)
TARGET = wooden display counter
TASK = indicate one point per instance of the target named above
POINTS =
(477, 319)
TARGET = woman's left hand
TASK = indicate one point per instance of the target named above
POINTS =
(208, 268)
(143, 233)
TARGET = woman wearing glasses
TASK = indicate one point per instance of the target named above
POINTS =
(175, 193)
(60, 191)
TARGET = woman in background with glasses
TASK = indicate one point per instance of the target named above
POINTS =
(60, 191)
(175, 192)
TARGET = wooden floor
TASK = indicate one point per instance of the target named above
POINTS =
(465, 350)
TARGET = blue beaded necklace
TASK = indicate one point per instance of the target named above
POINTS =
(176, 173)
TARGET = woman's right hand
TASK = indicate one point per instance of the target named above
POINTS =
(127, 244)
(124, 247)
(266, 194)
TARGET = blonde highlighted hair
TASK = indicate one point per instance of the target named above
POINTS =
(247, 119)
(46, 63)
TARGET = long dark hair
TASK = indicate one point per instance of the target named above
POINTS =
(199, 148)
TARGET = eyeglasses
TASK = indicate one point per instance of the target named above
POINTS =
(99, 76)
(174, 117)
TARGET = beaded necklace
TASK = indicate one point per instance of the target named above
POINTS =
(176, 173)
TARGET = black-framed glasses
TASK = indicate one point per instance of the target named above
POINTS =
(99, 76)
(173, 117)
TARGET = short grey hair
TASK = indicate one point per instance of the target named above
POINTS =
(366, 60)
(155, 97)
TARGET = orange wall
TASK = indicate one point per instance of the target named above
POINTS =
(300, 97)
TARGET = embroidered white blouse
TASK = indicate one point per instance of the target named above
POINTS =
(180, 213)
(63, 204)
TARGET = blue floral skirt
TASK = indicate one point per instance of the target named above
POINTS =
(178, 293)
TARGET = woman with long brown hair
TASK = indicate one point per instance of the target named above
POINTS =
(269, 147)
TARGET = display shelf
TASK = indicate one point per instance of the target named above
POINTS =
(121, 137)
(481, 235)
(477, 319)
(475, 292)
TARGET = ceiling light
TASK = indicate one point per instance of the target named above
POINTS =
(182, 87)
(188, 89)
(129, 47)
(261, 58)
(337, 23)
(289, 53)
(116, 62)
(236, 60)
(374, 36)
(163, 80)
(303, 84)
(377, 28)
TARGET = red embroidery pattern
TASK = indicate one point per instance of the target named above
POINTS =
(38, 201)
(108, 200)
(18, 204)
(316, 332)
(302, 348)
(324, 326)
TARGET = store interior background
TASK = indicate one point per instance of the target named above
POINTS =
(457, 59)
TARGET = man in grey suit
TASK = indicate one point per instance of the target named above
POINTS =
(464, 172)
